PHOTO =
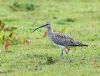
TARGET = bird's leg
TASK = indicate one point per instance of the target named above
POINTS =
(67, 52)
(62, 53)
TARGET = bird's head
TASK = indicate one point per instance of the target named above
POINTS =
(47, 25)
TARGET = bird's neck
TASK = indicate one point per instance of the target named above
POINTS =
(49, 29)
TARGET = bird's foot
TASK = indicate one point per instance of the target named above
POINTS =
(61, 59)
(69, 60)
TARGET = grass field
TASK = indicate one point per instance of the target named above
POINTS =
(81, 18)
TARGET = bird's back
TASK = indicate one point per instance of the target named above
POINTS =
(63, 40)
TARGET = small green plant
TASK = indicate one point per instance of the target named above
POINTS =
(50, 60)
(22, 7)
(66, 20)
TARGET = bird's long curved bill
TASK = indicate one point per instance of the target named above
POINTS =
(38, 28)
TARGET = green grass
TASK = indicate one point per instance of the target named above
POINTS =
(31, 60)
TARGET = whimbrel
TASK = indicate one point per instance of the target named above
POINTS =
(61, 40)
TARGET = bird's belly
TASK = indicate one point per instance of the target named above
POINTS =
(55, 43)
(59, 46)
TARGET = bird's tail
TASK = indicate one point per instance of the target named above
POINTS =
(81, 44)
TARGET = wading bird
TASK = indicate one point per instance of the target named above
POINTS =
(61, 40)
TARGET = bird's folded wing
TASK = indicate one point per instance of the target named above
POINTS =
(64, 40)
